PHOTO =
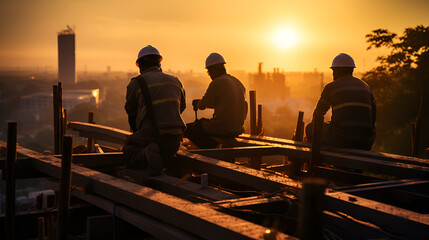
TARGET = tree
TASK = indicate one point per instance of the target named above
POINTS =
(401, 87)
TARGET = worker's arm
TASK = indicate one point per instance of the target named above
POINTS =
(131, 106)
(209, 98)
(183, 100)
(132, 122)
(323, 104)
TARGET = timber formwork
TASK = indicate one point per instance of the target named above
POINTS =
(370, 195)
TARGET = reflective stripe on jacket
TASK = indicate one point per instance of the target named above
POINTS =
(353, 106)
(168, 100)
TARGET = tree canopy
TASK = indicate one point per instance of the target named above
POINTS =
(401, 87)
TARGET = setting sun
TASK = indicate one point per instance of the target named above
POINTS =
(285, 38)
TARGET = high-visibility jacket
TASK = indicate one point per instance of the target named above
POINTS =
(168, 100)
(353, 108)
(226, 95)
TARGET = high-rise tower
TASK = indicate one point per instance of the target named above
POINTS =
(66, 56)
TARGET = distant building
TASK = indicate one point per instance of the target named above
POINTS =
(67, 56)
(71, 98)
(269, 86)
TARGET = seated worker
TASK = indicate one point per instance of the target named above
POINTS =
(226, 95)
(154, 103)
(353, 109)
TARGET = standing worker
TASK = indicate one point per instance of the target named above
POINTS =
(154, 103)
(353, 109)
(226, 95)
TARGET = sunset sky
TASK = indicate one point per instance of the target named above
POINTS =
(290, 35)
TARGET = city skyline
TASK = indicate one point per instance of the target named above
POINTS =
(288, 35)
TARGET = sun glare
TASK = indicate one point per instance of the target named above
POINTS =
(285, 38)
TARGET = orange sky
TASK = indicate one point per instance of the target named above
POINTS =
(110, 33)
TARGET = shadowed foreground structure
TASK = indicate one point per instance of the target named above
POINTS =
(370, 195)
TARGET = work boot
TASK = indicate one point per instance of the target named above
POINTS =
(153, 159)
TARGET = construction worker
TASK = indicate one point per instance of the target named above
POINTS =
(226, 95)
(353, 108)
(154, 103)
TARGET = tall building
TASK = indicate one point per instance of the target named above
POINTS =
(67, 56)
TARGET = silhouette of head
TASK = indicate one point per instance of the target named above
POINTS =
(338, 72)
(216, 70)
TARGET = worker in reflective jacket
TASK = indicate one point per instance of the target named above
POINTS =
(353, 108)
(157, 129)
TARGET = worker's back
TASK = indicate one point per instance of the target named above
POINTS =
(167, 95)
(353, 109)
(227, 94)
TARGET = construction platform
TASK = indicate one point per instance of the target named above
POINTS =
(257, 189)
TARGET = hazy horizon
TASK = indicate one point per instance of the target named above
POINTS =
(290, 35)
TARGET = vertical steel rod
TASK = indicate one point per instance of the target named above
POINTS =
(299, 132)
(90, 143)
(41, 228)
(56, 127)
(315, 142)
(64, 194)
(252, 112)
(311, 208)
(60, 116)
(260, 124)
(10, 180)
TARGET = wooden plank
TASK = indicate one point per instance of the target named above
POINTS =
(268, 150)
(202, 221)
(100, 132)
(178, 187)
(355, 152)
(257, 179)
(350, 204)
(119, 136)
(395, 220)
(380, 185)
(94, 160)
(342, 176)
(151, 225)
(248, 201)
(384, 215)
(348, 161)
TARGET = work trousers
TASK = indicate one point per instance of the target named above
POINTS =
(202, 138)
(333, 137)
(135, 146)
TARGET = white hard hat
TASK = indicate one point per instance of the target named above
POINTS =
(214, 58)
(148, 50)
(343, 60)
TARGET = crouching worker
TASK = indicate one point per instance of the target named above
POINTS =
(154, 103)
(226, 95)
